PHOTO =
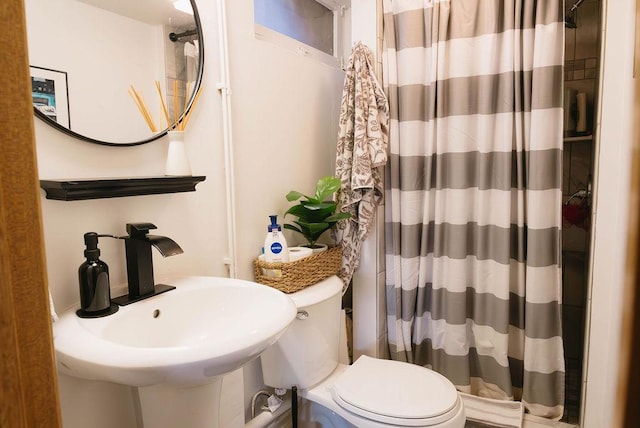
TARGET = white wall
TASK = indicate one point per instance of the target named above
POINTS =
(610, 211)
(369, 296)
(285, 122)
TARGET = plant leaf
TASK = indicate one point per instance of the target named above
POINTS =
(292, 227)
(337, 217)
(297, 210)
(315, 215)
(294, 196)
(309, 215)
(314, 227)
(318, 205)
(326, 187)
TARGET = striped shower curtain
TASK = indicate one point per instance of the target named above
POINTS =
(473, 194)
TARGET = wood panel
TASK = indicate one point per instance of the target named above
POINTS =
(28, 394)
(627, 412)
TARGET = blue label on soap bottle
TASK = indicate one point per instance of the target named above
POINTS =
(276, 248)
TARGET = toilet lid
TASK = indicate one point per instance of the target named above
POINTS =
(386, 391)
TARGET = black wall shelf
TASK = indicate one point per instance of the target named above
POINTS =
(77, 190)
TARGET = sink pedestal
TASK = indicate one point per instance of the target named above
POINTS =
(170, 406)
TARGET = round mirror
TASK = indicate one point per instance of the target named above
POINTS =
(114, 72)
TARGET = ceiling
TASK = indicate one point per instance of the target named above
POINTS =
(154, 12)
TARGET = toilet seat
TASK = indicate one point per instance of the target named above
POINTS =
(395, 393)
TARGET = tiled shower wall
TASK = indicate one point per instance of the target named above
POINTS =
(582, 62)
(582, 51)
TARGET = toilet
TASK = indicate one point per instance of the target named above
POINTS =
(369, 393)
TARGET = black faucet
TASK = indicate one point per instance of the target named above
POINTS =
(140, 262)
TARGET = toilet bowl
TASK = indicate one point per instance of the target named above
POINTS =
(369, 393)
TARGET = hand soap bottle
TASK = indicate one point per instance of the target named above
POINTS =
(275, 245)
(93, 276)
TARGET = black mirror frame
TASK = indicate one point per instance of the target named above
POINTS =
(161, 134)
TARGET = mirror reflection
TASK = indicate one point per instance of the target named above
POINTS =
(85, 56)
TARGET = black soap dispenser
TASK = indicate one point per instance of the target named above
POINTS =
(93, 276)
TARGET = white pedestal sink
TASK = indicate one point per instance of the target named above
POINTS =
(175, 347)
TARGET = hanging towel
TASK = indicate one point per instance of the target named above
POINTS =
(362, 150)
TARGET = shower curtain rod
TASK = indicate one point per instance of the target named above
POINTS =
(174, 37)
(576, 5)
(570, 18)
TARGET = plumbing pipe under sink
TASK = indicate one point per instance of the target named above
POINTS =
(266, 418)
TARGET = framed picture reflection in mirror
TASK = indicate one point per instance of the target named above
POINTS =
(50, 94)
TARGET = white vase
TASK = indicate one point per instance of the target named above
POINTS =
(177, 159)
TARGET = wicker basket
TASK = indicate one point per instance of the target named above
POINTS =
(294, 276)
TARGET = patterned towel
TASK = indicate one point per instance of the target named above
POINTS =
(362, 149)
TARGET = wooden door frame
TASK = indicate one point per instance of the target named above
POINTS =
(27, 365)
(627, 412)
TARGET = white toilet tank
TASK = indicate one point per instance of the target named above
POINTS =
(308, 351)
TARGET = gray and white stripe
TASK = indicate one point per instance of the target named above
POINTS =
(473, 194)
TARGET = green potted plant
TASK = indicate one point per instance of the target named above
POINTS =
(315, 214)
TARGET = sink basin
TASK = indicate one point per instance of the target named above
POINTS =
(206, 327)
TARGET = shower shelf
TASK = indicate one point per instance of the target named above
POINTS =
(578, 138)
(77, 190)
